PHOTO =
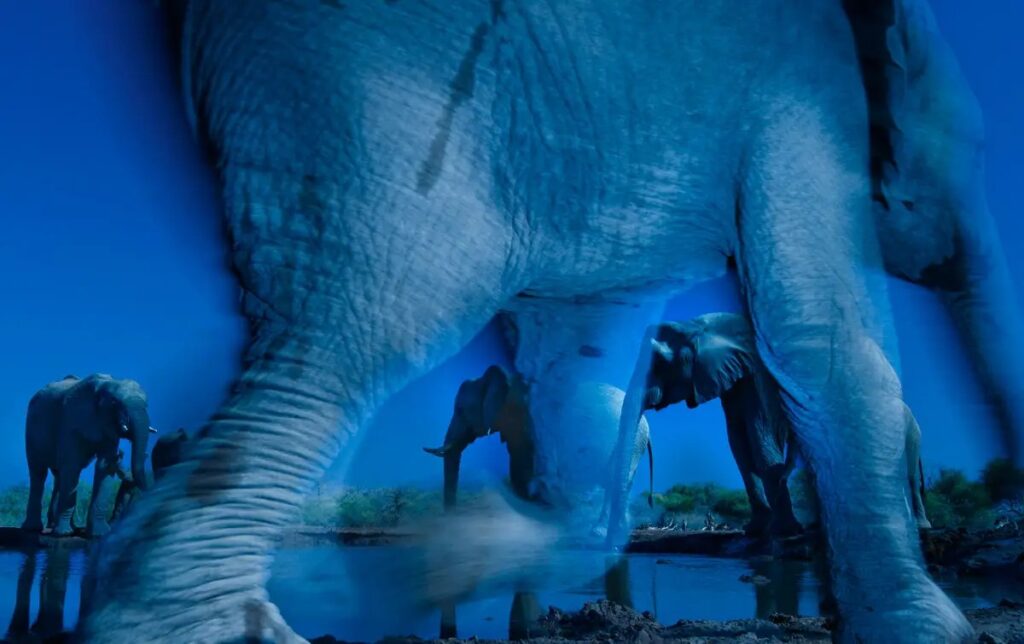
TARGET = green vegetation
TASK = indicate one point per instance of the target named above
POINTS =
(952, 500)
(14, 499)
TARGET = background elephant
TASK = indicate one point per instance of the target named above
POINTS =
(389, 185)
(168, 450)
(492, 403)
(714, 356)
(498, 403)
(69, 423)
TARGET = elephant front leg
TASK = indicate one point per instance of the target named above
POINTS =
(806, 244)
(739, 444)
(96, 524)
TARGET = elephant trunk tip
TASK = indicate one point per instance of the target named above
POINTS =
(436, 451)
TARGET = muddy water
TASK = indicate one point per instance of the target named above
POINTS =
(366, 593)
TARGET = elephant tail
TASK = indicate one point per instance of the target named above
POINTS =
(650, 463)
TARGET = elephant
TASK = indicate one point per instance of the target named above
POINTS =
(497, 402)
(168, 450)
(69, 423)
(714, 356)
(393, 174)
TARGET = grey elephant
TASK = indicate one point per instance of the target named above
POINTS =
(395, 173)
(714, 356)
(499, 403)
(70, 423)
(493, 403)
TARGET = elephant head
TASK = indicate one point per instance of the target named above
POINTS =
(478, 405)
(119, 410)
(168, 451)
(698, 360)
(927, 166)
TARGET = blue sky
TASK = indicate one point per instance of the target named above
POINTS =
(112, 257)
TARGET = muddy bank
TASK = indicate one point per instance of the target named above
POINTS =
(607, 622)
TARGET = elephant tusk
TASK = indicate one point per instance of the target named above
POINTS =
(152, 430)
(124, 428)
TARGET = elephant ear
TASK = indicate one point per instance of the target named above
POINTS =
(720, 362)
(496, 387)
(881, 37)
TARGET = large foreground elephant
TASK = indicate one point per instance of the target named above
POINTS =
(69, 423)
(395, 173)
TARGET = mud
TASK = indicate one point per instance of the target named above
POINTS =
(607, 622)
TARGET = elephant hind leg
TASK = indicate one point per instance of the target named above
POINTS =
(33, 510)
(806, 244)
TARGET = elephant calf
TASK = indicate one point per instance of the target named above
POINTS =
(69, 423)
(713, 356)
(498, 403)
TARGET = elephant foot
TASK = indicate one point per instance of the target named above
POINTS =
(756, 528)
(924, 614)
(62, 530)
(222, 622)
(97, 529)
(786, 529)
(32, 525)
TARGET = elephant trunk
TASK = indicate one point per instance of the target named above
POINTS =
(622, 457)
(975, 285)
(139, 431)
(452, 462)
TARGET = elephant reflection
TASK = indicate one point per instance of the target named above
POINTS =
(53, 584)
(713, 356)
(498, 403)
(69, 423)
(526, 609)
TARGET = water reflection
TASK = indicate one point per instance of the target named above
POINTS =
(58, 566)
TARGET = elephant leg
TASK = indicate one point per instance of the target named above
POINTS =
(805, 245)
(67, 500)
(51, 512)
(333, 338)
(34, 508)
(784, 523)
(96, 521)
(579, 367)
(760, 510)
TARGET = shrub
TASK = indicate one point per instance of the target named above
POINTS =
(1001, 480)
(732, 504)
(954, 501)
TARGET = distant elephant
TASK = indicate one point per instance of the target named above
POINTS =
(69, 423)
(393, 174)
(499, 403)
(714, 356)
(168, 450)
(493, 403)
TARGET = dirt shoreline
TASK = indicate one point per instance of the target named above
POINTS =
(604, 621)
